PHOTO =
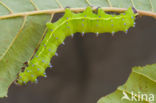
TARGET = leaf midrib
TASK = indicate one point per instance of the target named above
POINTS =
(60, 10)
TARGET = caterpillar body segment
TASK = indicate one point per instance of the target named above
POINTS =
(69, 24)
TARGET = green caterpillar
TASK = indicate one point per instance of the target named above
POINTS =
(69, 24)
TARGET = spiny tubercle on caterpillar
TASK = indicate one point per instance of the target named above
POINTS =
(69, 24)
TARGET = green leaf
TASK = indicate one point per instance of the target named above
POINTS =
(19, 38)
(141, 81)
(23, 22)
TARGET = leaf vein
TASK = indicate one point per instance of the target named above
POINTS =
(88, 2)
(132, 3)
(152, 9)
(21, 28)
(59, 3)
(11, 12)
(44, 33)
(145, 76)
(140, 12)
(34, 5)
(109, 2)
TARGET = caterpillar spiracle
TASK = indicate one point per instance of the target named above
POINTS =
(69, 24)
